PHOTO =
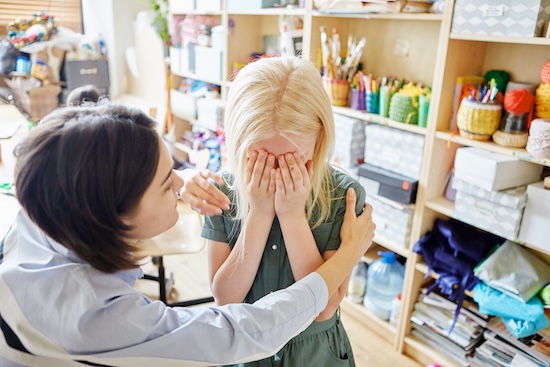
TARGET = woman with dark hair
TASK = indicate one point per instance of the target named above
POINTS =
(92, 181)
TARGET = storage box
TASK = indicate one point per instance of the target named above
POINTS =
(497, 212)
(378, 181)
(250, 4)
(37, 102)
(493, 171)
(393, 220)
(183, 105)
(395, 150)
(535, 226)
(77, 73)
(349, 147)
(521, 18)
(181, 6)
(208, 5)
(208, 63)
(210, 113)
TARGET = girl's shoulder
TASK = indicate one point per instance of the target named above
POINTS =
(342, 180)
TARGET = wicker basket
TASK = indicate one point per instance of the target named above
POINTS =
(404, 109)
(337, 90)
(510, 140)
(478, 121)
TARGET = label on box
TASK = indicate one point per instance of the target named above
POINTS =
(493, 10)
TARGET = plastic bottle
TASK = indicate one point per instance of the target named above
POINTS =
(357, 282)
(395, 309)
(384, 282)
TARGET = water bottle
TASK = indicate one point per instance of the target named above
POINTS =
(384, 282)
(357, 282)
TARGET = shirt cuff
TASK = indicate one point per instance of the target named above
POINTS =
(318, 287)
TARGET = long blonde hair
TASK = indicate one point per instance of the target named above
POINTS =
(279, 96)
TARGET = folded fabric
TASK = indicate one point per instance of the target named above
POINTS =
(515, 271)
(521, 319)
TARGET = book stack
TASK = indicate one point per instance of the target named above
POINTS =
(432, 319)
(501, 349)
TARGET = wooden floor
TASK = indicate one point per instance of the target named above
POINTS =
(190, 281)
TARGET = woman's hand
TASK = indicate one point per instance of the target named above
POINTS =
(357, 232)
(202, 195)
(293, 185)
(260, 183)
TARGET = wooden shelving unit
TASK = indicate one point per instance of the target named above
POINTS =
(435, 57)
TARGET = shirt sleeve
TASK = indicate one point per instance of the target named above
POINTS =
(334, 239)
(214, 228)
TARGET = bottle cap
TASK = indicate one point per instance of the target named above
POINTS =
(388, 257)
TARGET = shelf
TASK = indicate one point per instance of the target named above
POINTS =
(502, 39)
(269, 11)
(425, 353)
(400, 250)
(196, 77)
(396, 16)
(377, 119)
(381, 327)
(493, 147)
(441, 205)
(199, 12)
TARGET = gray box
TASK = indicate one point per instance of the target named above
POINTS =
(349, 147)
(519, 18)
(393, 220)
(83, 72)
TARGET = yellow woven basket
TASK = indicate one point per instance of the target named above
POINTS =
(478, 121)
(337, 90)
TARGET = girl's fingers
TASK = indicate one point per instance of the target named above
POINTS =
(285, 173)
(270, 163)
(272, 177)
(279, 183)
(294, 170)
(258, 170)
(309, 168)
(250, 161)
(302, 167)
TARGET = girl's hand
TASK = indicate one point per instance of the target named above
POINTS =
(293, 185)
(202, 195)
(357, 232)
(260, 183)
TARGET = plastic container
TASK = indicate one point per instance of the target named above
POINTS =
(384, 282)
(357, 283)
(395, 310)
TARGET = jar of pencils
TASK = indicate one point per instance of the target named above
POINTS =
(337, 90)
(478, 120)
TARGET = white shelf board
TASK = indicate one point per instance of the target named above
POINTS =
(377, 119)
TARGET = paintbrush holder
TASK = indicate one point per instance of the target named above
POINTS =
(478, 121)
(337, 90)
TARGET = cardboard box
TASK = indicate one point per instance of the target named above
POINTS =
(493, 171)
(37, 102)
(83, 72)
(497, 212)
(349, 146)
(520, 18)
(378, 181)
(393, 220)
(208, 63)
(536, 218)
(395, 150)
(250, 4)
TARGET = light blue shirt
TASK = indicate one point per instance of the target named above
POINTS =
(58, 310)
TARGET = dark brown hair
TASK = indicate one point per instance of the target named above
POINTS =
(80, 170)
(82, 95)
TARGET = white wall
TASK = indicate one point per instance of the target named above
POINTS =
(114, 21)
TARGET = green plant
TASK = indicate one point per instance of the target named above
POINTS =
(160, 22)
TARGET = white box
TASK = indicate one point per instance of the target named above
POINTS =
(209, 5)
(349, 146)
(535, 227)
(393, 220)
(183, 105)
(395, 150)
(493, 171)
(497, 212)
(210, 113)
(249, 4)
(181, 6)
(208, 63)
(175, 60)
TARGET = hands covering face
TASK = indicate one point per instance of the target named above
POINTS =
(281, 190)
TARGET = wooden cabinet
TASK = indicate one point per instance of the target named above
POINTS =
(428, 53)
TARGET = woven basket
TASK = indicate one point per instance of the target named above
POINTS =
(478, 121)
(404, 109)
(337, 90)
(510, 140)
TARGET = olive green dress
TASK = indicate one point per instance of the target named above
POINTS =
(322, 343)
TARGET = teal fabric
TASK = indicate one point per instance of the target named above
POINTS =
(275, 273)
(521, 319)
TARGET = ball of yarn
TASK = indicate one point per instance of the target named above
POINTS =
(538, 143)
(545, 72)
(542, 101)
(501, 78)
(519, 101)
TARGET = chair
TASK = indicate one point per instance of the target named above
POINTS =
(183, 238)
